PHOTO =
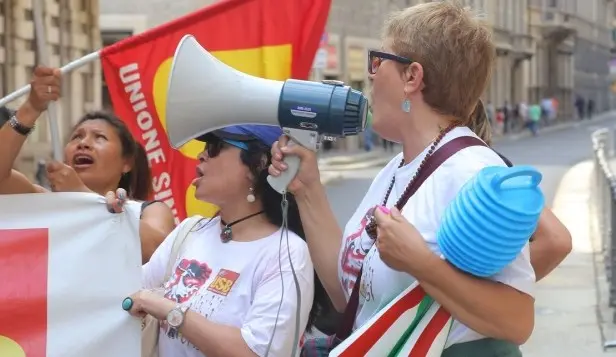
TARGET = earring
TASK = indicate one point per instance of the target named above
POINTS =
(250, 197)
(406, 106)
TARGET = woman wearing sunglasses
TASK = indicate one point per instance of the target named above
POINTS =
(232, 289)
(434, 65)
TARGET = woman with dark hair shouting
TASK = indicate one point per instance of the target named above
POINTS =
(101, 156)
(427, 79)
(230, 284)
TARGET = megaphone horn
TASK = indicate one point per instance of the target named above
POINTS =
(204, 95)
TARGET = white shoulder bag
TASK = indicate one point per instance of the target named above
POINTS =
(150, 326)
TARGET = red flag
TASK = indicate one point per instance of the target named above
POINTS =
(23, 263)
(275, 39)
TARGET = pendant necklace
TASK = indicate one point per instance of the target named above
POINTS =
(226, 235)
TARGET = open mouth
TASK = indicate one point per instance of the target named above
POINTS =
(198, 176)
(82, 160)
(198, 172)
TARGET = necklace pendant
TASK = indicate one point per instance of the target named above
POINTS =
(226, 234)
(370, 227)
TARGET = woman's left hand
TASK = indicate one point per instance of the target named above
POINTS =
(116, 200)
(401, 247)
(147, 302)
(63, 178)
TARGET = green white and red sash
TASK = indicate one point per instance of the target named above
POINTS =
(412, 325)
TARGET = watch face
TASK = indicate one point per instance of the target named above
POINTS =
(175, 318)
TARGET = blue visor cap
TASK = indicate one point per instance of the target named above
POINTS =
(265, 134)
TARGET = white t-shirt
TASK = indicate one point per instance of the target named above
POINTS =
(236, 284)
(380, 284)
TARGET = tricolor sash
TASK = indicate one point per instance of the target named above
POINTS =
(412, 325)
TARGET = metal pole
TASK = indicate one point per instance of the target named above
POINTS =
(71, 66)
(43, 58)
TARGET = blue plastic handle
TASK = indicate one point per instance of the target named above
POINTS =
(503, 175)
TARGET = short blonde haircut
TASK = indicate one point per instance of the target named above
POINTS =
(455, 49)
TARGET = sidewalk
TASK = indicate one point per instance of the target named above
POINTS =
(567, 320)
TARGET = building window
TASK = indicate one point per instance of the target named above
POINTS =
(108, 38)
(357, 85)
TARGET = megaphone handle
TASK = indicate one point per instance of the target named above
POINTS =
(280, 183)
(307, 139)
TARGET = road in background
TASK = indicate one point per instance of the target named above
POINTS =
(551, 153)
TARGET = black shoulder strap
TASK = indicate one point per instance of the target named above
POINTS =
(506, 160)
(146, 204)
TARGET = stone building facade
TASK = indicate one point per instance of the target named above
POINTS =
(545, 48)
(573, 41)
(72, 32)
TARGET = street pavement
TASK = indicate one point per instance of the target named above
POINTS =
(568, 322)
(552, 153)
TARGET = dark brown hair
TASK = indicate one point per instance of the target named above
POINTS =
(253, 158)
(138, 181)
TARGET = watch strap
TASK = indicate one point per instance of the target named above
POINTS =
(182, 309)
(19, 127)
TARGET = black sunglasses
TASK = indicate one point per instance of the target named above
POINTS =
(376, 57)
(214, 145)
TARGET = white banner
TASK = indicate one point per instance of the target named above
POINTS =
(66, 264)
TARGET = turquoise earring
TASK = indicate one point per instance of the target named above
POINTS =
(406, 106)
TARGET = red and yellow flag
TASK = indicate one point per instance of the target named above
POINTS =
(275, 39)
(23, 263)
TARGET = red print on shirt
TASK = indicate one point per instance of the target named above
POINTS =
(188, 278)
(356, 246)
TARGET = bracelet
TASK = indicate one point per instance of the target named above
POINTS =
(19, 127)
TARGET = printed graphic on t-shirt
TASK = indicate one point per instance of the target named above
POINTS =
(365, 286)
(188, 286)
(223, 282)
(188, 277)
(356, 246)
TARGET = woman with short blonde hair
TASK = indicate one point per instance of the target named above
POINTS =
(435, 62)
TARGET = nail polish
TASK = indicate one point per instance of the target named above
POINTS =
(384, 209)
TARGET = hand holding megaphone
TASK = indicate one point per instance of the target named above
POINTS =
(304, 175)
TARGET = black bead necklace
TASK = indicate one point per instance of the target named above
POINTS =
(226, 235)
(371, 221)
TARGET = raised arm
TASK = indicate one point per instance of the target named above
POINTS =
(323, 235)
(45, 88)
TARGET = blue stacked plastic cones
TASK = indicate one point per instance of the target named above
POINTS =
(491, 219)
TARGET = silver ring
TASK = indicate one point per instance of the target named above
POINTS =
(49, 89)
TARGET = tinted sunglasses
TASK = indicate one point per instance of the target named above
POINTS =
(375, 58)
(215, 145)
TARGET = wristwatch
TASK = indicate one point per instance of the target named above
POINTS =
(175, 317)
(19, 127)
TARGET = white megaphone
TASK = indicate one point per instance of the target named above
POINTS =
(205, 94)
